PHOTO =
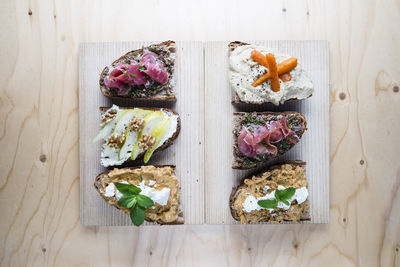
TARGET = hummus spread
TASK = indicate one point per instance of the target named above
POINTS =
(244, 71)
(151, 180)
(259, 186)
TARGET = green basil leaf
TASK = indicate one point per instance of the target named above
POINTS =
(268, 203)
(278, 195)
(287, 193)
(145, 201)
(127, 201)
(137, 215)
(286, 202)
(128, 189)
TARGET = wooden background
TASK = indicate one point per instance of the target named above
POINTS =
(39, 175)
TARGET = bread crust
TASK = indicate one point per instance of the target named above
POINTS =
(158, 97)
(236, 115)
(235, 98)
(166, 144)
(97, 186)
(236, 190)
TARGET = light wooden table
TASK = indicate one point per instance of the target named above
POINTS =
(39, 182)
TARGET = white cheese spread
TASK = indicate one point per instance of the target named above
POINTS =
(244, 71)
(250, 203)
(110, 190)
(158, 196)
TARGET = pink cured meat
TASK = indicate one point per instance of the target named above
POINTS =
(125, 74)
(249, 141)
(275, 133)
(285, 127)
(132, 75)
(259, 139)
(154, 68)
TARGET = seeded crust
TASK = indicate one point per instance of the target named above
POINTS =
(166, 144)
(235, 98)
(236, 190)
(242, 162)
(97, 186)
(165, 92)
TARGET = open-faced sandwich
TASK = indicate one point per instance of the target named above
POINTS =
(278, 194)
(133, 133)
(146, 73)
(261, 75)
(148, 193)
(262, 136)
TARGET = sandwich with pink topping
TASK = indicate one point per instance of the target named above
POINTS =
(263, 136)
(145, 74)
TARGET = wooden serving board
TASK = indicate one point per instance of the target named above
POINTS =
(203, 150)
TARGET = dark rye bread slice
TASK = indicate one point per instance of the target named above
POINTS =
(166, 52)
(97, 186)
(235, 98)
(236, 190)
(240, 161)
(166, 144)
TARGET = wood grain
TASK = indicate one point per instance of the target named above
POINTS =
(313, 148)
(186, 153)
(39, 200)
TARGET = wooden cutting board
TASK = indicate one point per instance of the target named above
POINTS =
(203, 150)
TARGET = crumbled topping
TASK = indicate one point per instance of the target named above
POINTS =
(115, 140)
(147, 141)
(108, 116)
(136, 124)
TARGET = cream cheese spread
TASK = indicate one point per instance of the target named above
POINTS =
(244, 71)
(250, 203)
(158, 196)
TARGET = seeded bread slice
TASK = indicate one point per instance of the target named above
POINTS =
(264, 215)
(111, 201)
(166, 144)
(235, 98)
(166, 54)
(240, 161)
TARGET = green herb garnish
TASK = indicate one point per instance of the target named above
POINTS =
(131, 74)
(248, 118)
(134, 201)
(264, 143)
(280, 196)
(156, 85)
(142, 68)
(153, 49)
(284, 144)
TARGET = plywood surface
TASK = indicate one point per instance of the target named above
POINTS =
(187, 151)
(39, 167)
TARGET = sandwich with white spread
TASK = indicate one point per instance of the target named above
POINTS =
(275, 195)
(148, 193)
(134, 133)
(261, 75)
